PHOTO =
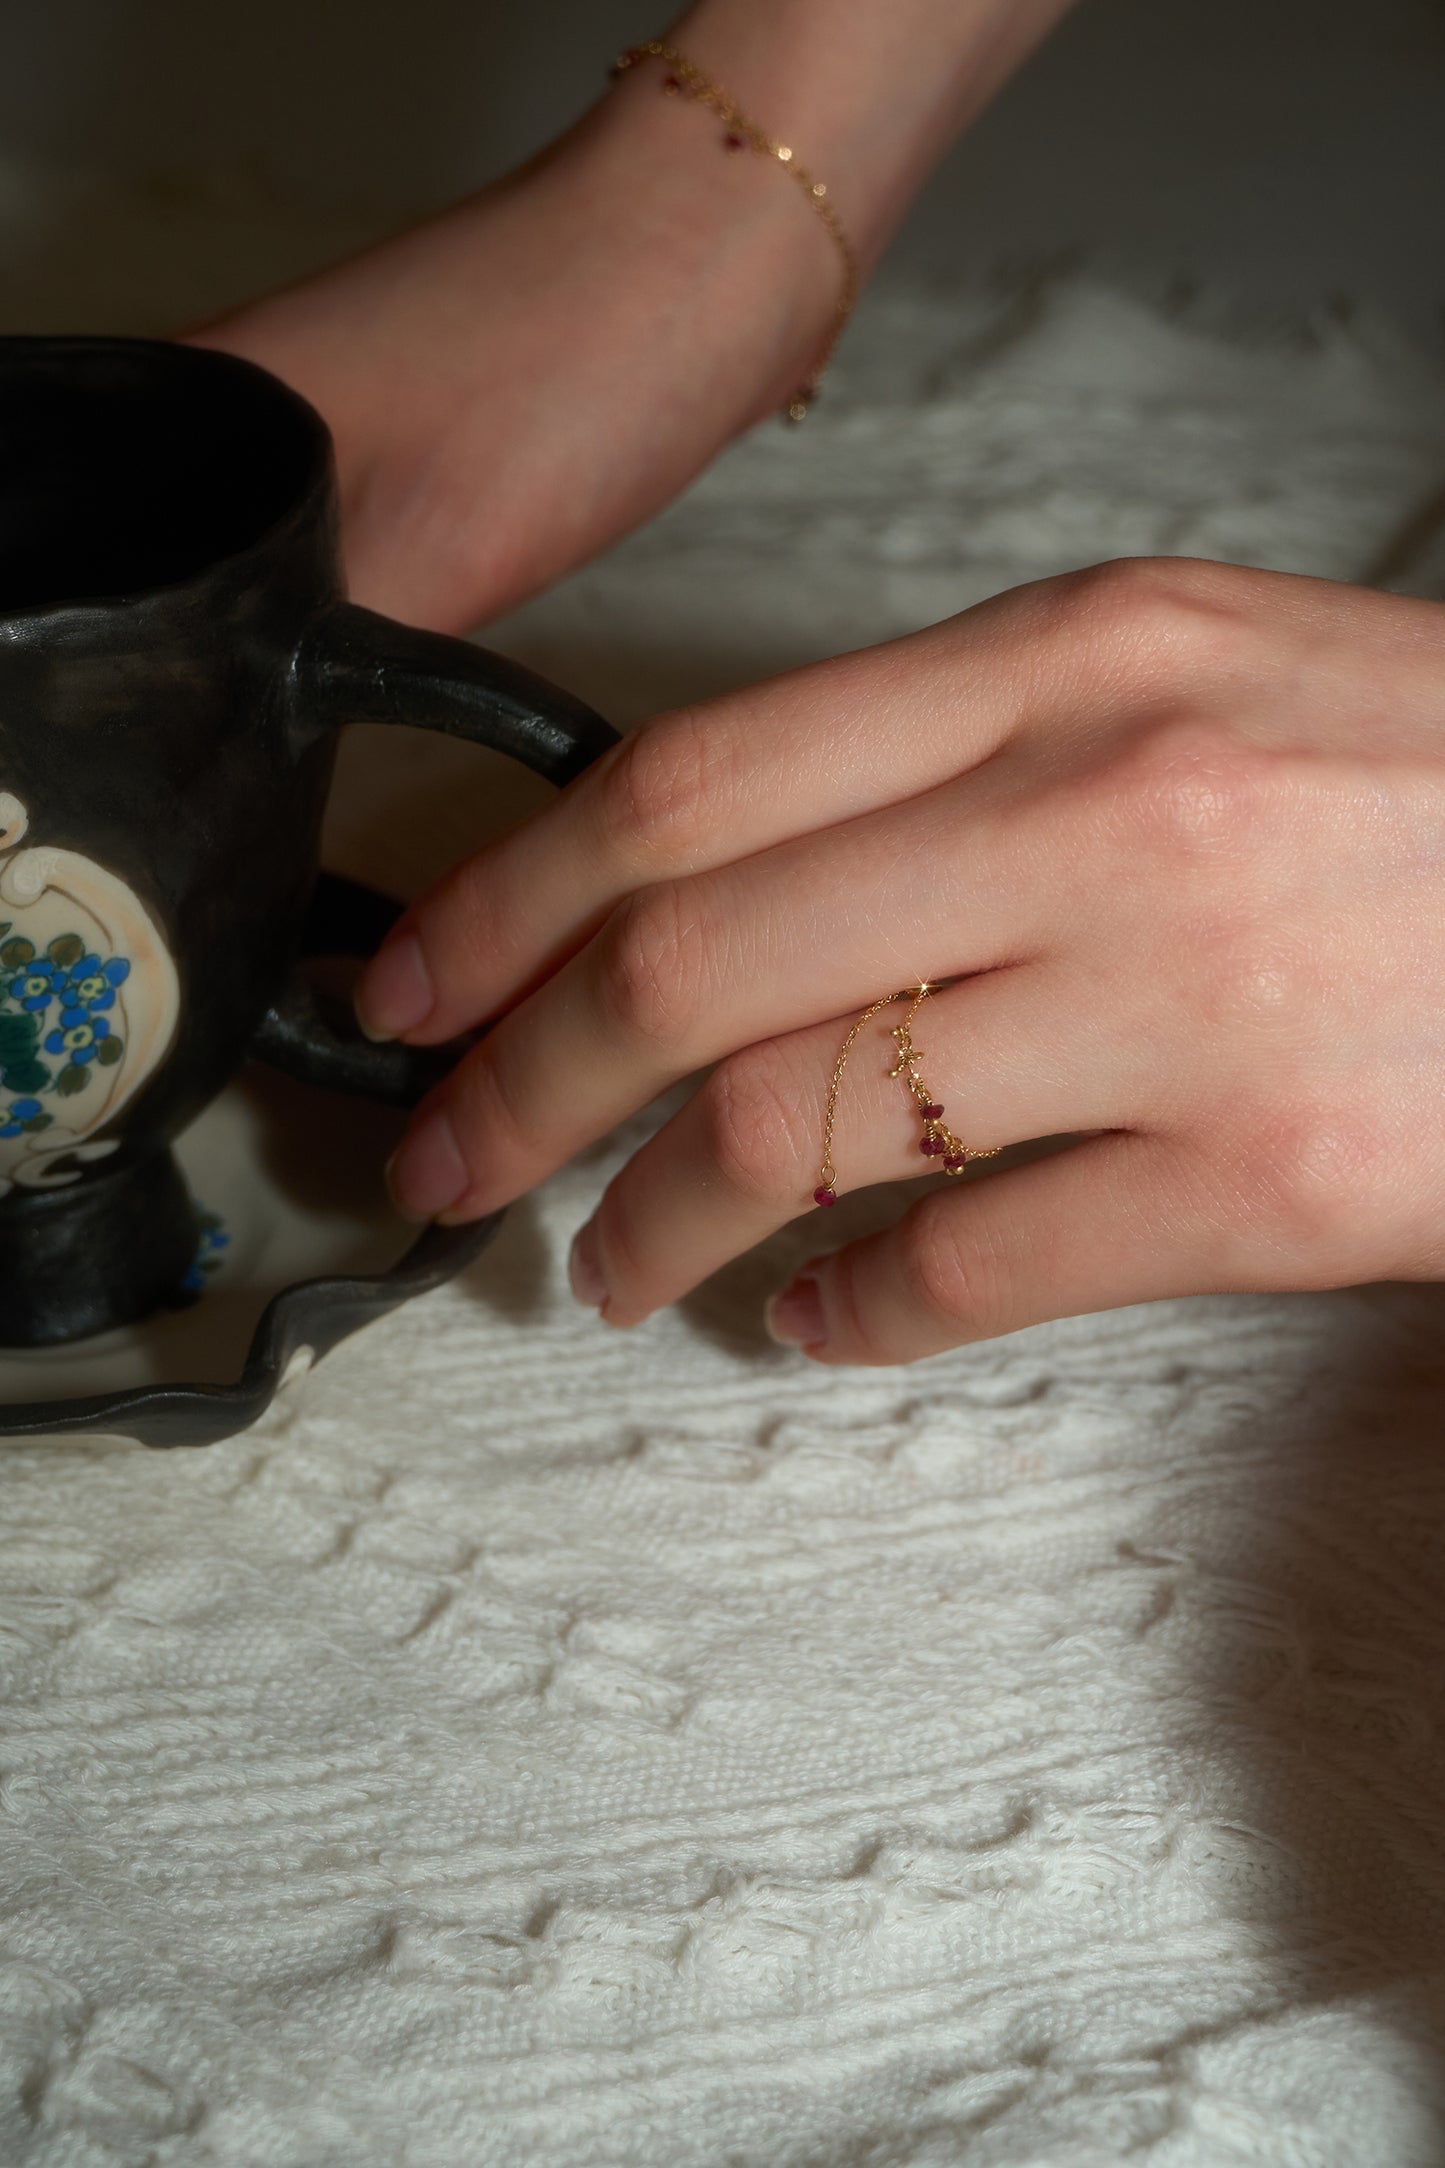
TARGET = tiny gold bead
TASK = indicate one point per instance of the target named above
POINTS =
(684, 79)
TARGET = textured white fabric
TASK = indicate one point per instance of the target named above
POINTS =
(537, 1745)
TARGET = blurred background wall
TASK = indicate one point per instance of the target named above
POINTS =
(1287, 151)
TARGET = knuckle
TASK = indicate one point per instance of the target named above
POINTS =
(1153, 593)
(489, 1115)
(1193, 786)
(1249, 973)
(467, 923)
(756, 1112)
(853, 1317)
(663, 791)
(621, 1236)
(654, 965)
(1315, 1175)
(949, 1283)
(1160, 619)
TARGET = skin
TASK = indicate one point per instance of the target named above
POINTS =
(1174, 831)
(1170, 835)
(484, 447)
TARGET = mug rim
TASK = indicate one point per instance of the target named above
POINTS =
(315, 481)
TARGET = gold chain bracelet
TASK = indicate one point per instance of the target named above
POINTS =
(938, 1140)
(684, 79)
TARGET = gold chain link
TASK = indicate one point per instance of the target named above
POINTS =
(687, 80)
(938, 1141)
(826, 1173)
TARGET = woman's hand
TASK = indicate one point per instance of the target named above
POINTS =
(1177, 832)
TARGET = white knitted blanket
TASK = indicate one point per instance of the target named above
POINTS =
(538, 1745)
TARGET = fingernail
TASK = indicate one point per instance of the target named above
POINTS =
(426, 1173)
(795, 1317)
(395, 993)
(584, 1269)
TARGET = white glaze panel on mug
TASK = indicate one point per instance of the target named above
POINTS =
(89, 1000)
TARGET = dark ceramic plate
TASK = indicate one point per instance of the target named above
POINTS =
(303, 1249)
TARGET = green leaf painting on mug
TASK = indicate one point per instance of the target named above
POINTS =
(19, 1036)
(60, 1003)
(26, 1076)
(20, 1071)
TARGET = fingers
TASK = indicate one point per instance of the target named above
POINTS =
(687, 972)
(710, 785)
(1112, 1221)
(1009, 1055)
(692, 790)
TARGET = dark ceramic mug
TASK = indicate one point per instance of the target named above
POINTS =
(176, 657)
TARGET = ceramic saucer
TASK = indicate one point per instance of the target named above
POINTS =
(301, 1247)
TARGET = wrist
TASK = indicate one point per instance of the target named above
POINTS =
(747, 267)
(872, 96)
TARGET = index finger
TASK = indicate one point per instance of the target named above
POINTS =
(704, 786)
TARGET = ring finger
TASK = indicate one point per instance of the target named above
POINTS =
(1009, 1055)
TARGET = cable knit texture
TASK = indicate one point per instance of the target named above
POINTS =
(540, 1745)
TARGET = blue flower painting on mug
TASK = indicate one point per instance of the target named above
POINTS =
(55, 1025)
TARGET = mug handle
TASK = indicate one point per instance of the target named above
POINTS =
(354, 666)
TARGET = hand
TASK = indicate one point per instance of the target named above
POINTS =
(516, 384)
(1177, 832)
